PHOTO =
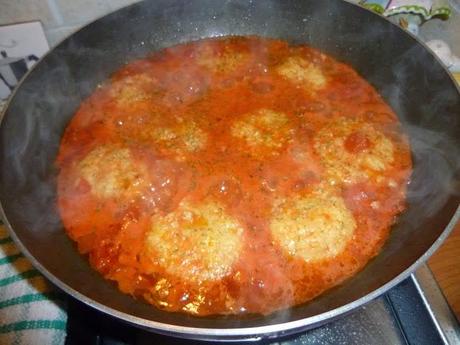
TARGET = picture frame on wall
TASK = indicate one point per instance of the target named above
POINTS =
(21, 46)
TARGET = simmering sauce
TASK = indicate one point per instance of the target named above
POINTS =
(232, 175)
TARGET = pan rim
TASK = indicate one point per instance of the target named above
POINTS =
(262, 331)
(201, 333)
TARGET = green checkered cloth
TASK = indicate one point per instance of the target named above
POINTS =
(31, 310)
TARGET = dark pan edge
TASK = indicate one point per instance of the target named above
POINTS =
(253, 333)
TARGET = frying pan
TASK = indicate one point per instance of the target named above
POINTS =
(403, 71)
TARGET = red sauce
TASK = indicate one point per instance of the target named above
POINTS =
(357, 142)
(199, 83)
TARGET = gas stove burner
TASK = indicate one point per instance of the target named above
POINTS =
(413, 312)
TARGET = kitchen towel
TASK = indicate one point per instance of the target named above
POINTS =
(31, 310)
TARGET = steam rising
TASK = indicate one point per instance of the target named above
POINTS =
(431, 129)
(44, 104)
(436, 159)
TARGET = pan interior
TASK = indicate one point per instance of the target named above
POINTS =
(410, 79)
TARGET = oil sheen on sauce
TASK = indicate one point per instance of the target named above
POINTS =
(232, 175)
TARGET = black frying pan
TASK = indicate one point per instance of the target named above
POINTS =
(409, 77)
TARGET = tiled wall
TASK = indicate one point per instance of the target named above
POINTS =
(59, 17)
(62, 17)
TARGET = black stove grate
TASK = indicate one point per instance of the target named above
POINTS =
(398, 317)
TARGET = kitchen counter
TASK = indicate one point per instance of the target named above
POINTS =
(445, 264)
(60, 18)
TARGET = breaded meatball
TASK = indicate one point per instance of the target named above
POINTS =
(132, 89)
(264, 131)
(181, 138)
(220, 62)
(313, 227)
(303, 73)
(351, 150)
(195, 242)
(111, 172)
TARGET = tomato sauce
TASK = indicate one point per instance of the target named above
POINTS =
(236, 121)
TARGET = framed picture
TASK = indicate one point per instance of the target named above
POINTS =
(21, 45)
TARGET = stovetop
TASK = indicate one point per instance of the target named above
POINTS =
(413, 312)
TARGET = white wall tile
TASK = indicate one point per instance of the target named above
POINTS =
(117, 4)
(60, 18)
(14, 11)
(82, 11)
(56, 35)
(447, 30)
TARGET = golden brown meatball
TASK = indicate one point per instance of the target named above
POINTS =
(196, 242)
(352, 150)
(111, 172)
(180, 139)
(264, 131)
(302, 72)
(132, 89)
(313, 227)
(220, 62)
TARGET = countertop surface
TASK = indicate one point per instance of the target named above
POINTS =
(445, 264)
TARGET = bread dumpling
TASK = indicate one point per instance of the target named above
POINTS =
(196, 242)
(313, 227)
